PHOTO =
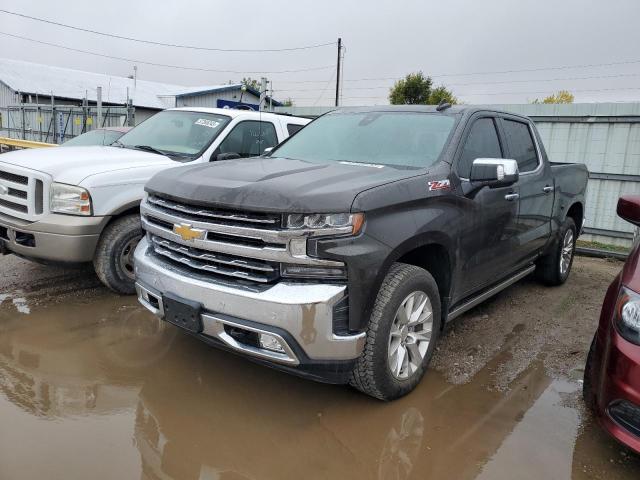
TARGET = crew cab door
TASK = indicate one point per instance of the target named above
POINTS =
(489, 231)
(535, 187)
(248, 138)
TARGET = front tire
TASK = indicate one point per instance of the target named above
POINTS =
(401, 336)
(554, 267)
(113, 260)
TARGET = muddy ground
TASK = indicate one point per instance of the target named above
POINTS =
(92, 386)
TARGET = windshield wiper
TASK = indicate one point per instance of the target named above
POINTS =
(149, 148)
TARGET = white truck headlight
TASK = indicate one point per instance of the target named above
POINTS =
(628, 315)
(69, 199)
(326, 223)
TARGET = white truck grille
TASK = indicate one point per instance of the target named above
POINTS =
(22, 192)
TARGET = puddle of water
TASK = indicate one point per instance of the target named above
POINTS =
(103, 390)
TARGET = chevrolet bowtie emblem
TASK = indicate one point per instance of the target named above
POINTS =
(188, 233)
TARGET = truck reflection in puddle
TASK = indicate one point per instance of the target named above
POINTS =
(140, 399)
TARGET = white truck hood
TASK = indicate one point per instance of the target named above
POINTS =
(73, 164)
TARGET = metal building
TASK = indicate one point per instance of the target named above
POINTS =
(220, 96)
(52, 104)
(34, 83)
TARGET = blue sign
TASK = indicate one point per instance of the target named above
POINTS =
(231, 104)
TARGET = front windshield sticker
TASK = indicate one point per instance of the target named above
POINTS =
(207, 123)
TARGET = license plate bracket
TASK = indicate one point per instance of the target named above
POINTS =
(182, 312)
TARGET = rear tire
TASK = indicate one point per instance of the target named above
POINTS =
(401, 335)
(113, 260)
(554, 267)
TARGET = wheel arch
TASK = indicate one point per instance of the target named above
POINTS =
(576, 212)
(433, 252)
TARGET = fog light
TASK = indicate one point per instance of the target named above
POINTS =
(303, 271)
(269, 342)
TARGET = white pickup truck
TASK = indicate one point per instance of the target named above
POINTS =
(81, 204)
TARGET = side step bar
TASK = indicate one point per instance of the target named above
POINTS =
(489, 293)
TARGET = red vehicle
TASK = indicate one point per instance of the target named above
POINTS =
(612, 374)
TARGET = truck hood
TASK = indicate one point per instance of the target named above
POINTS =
(73, 164)
(275, 184)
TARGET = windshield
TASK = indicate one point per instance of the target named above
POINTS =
(175, 132)
(383, 138)
(94, 137)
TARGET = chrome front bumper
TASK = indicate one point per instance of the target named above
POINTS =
(298, 315)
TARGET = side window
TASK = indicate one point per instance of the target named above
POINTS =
(249, 139)
(482, 142)
(521, 146)
(293, 128)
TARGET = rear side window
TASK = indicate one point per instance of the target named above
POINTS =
(293, 128)
(521, 146)
(249, 139)
(482, 142)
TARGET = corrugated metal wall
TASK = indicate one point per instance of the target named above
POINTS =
(7, 96)
(604, 136)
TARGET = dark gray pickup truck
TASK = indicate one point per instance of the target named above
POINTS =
(341, 254)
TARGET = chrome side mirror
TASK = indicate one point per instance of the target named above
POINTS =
(267, 150)
(494, 172)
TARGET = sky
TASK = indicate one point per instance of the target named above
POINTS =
(485, 51)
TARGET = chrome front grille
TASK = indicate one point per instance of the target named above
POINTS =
(22, 192)
(215, 263)
(223, 216)
(223, 243)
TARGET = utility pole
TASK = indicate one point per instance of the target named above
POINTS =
(263, 93)
(99, 107)
(338, 72)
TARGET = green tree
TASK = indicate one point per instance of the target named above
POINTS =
(288, 103)
(442, 93)
(417, 89)
(251, 83)
(561, 96)
(414, 89)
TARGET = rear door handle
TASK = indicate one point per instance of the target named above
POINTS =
(512, 196)
(547, 189)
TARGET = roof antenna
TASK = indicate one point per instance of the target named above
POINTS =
(443, 105)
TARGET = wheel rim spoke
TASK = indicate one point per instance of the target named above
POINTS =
(566, 252)
(410, 335)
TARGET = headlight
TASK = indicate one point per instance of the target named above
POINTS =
(628, 315)
(327, 223)
(69, 199)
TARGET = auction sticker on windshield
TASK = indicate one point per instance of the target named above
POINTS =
(207, 123)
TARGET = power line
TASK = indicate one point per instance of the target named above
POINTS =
(459, 74)
(174, 45)
(621, 75)
(503, 93)
(143, 62)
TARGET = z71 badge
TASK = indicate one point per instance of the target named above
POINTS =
(439, 185)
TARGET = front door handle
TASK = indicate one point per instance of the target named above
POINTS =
(512, 196)
(547, 189)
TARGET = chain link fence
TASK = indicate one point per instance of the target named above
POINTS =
(57, 123)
